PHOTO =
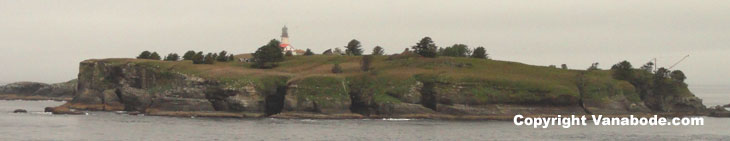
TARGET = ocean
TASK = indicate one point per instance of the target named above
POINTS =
(37, 125)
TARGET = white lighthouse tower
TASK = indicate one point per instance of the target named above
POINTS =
(285, 45)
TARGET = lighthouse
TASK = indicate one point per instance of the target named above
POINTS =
(285, 45)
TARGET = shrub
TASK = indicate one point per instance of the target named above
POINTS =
(336, 68)
(365, 63)
(308, 53)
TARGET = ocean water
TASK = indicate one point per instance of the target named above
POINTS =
(37, 125)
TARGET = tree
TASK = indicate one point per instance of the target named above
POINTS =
(480, 52)
(188, 55)
(336, 68)
(231, 57)
(678, 76)
(338, 51)
(648, 67)
(268, 55)
(308, 53)
(327, 52)
(564, 66)
(457, 50)
(425, 48)
(198, 58)
(378, 51)
(593, 66)
(289, 53)
(172, 57)
(222, 56)
(353, 48)
(144, 55)
(623, 70)
(365, 63)
(155, 56)
(209, 58)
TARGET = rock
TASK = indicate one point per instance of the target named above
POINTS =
(40, 91)
(20, 111)
(63, 110)
(134, 99)
(22, 88)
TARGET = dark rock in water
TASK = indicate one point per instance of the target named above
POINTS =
(48, 109)
(719, 111)
(63, 110)
(134, 113)
(20, 111)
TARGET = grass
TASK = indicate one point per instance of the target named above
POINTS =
(489, 81)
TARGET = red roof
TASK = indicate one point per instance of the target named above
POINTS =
(284, 45)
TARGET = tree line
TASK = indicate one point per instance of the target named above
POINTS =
(269, 55)
(195, 57)
(662, 81)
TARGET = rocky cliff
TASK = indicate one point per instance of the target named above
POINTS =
(302, 91)
(38, 91)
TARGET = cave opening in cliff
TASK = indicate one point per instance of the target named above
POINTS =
(428, 96)
(359, 103)
(275, 101)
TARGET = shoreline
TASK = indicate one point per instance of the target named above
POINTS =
(69, 110)
(32, 98)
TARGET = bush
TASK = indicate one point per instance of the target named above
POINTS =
(289, 53)
(678, 76)
(564, 66)
(308, 53)
(365, 63)
(593, 66)
(336, 68)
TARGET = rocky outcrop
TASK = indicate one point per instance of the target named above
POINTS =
(38, 91)
(147, 88)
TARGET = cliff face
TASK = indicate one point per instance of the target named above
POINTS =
(155, 89)
(38, 91)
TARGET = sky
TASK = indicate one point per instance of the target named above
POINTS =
(45, 40)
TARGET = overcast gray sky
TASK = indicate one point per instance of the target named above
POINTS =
(45, 40)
